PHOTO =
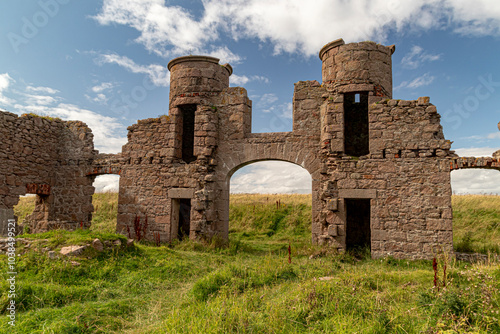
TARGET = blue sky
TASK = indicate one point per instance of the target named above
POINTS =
(104, 62)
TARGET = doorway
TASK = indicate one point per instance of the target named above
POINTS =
(358, 234)
(181, 217)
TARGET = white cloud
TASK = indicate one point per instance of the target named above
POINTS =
(106, 183)
(99, 98)
(99, 90)
(240, 80)
(475, 151)
(225, 55)
(286, 110)
(267, 104)
(102, 87)
(41, 89)
(43, 100)
(260, 78)
(5, 81)
(292, 25)
(267, 99)
(417, 56)
(475, 181)
(423, 80)
(271, 177)
(158, 74)
(160, 26)
(494, 135)
(476, 17)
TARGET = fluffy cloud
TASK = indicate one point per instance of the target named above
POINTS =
(292, 25)
(240, 80)
(494, 135)
(271, 177)
(423, 80)
(102, 87)
(40, 99)
(161, 26)
(417, 56)
(475, 151)
(5, 81)
(41, 89)
(158, 74)
(99, 90)
(475, 181)
(106, 183)
(225, 55)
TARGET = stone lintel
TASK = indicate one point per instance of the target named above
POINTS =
(350, 88)
(181, 193)
(357, 193)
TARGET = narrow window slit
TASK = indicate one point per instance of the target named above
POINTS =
(356, 129)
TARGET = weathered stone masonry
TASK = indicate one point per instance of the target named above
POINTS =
(380, 167)
(49, 158)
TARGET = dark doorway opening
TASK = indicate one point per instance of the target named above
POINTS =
(184, 218)
(188, 115)
(356, 130)
(358, 234)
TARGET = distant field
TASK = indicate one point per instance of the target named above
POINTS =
(249, 286)
(476, 223)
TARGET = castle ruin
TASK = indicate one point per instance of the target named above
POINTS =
(380, 167)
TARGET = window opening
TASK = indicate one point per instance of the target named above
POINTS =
(188, 117)
(356, 130)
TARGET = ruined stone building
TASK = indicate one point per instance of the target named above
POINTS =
(380, 167)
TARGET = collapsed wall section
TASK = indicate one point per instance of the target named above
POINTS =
(49, 158)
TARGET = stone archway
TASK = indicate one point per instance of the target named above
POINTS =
(288, 147)
(222, 203)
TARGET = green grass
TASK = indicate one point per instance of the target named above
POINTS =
(476, 223)
(105, 211)
(247, 287)
(24, 207)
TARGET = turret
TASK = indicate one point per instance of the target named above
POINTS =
(193, 78)
(357, 67)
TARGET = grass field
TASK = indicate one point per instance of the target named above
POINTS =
(249, 286)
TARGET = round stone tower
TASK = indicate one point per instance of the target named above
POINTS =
(357, 67)
(194, 78)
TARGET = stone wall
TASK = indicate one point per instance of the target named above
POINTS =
(49, 158)
(406, 176)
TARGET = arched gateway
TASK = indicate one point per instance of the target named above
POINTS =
(380, 167)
